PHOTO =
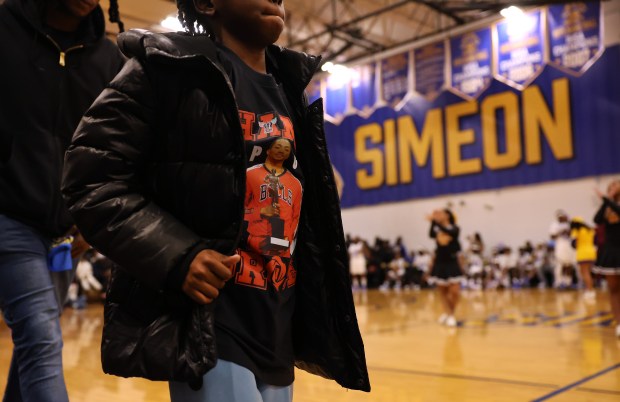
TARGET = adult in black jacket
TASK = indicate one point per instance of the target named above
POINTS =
(156, 174)
(55, 61)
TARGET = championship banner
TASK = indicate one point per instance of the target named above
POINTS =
(470, 62)
(560, 127)
(395, 78)
(313, 90)
(520, 49)
(574, 32)
(336, 97)
(429, 67)
(363, 88)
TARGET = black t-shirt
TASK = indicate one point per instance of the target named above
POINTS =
(254, 311)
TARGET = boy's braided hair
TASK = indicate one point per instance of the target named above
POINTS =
(115, 17)
(192, 21)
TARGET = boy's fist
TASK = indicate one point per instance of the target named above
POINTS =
(207, 274)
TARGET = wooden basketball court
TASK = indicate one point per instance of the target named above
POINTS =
(526, 345)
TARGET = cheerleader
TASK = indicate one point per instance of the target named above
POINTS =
(608, 258)
(582, 237)
(446, 270)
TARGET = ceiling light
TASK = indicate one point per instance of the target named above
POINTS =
(335, 68)
(340, 70)
(339, 76)
(518, 24)
(511, 12)
(327, 66)
(171, 23)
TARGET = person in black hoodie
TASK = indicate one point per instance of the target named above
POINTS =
(55, 61)
(155, 178)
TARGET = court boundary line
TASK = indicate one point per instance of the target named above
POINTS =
(464, 377)
(511, 382)
(463, 324)
(576, 383)
(578, 320)
(598, 391)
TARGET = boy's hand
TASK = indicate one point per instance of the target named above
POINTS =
(207, 274)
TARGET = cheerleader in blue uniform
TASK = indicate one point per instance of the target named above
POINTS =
(608, 257)
(446, 272)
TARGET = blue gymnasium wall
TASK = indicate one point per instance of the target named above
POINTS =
(572, 113)
(594, 118)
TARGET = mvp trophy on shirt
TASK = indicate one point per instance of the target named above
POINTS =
(277, 239)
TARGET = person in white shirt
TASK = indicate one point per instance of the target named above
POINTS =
(564, 253)
(506, 262)
(357, 262)
(396, 271)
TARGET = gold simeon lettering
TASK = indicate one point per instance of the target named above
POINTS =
(391, 163)
(410, 142)
(508, 103)
(457, 138)
(538, 120)
(373, 178)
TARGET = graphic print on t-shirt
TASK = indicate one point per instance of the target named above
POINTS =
(265, 126)
(272, 203)
(254, 311)
(256, 271)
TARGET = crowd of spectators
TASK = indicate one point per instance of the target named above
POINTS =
(392, 266)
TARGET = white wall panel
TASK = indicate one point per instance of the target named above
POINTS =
(510, 215)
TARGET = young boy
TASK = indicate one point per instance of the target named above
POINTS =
(156, 179)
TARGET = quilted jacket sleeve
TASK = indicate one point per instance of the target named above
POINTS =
(104, 185)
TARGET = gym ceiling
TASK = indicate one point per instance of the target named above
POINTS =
(346, 30)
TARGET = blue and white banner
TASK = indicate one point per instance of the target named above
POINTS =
(520, 49)
(314, 90)
(429, 67)
(559, 127)
(549, 111)
(336, 97)
(574, 31)
(363, 88)
(471, 62)
(395, 78)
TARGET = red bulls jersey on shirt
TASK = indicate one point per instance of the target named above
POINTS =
(259, 195)
(253, 316)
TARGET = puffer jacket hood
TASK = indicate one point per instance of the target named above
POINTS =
(295, 69)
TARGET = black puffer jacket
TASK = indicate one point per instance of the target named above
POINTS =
(41, 103)
(156, 173)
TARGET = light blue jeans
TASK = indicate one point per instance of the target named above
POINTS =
(229, 382)
(30, 309)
